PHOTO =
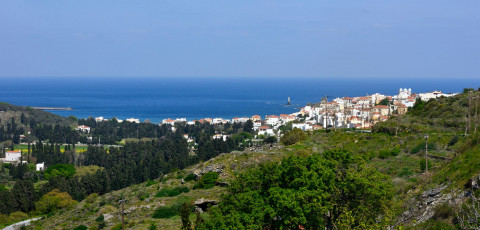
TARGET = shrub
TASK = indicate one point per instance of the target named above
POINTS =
(4, 219)
(384, 153)
(207, 181)
(81, 227)
(100, 218)
(453, 141)
(405, 172)
(421, 147)
(150, 183)
(54, 200)
(142, 195)
(117, 227)
(91, 198)
(270, 139)
(190, 177)
(152, 226)
(293, 136)
(164, 213)
(166, 192)
(17, 216)
(442, 211)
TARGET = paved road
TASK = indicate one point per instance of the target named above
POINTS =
(18, 225)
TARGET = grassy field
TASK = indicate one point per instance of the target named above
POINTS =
(24, 148)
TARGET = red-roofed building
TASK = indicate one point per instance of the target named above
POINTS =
(256, 118)
(83, 128)
(168, 121)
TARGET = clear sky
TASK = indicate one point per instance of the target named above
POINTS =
(341, 38)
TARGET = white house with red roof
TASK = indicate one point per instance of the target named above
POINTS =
(266, 131)
(83, 128)
(272, 120)
(168, 121)
(256, 118)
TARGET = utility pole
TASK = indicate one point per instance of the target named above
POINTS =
(426, 153)
(123, 213)
(475, 115)
(470, 112)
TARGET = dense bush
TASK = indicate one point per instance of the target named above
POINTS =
(190, 177)
(313, 192)
(81, 227)
(54, 200)
(60, 170)
(443, 211)
(169, 192)
(453, 141)
(164, 212)
(208, 180)
(421, 147)
(293, 136)
(384, 153)
(270, 139)
(150, 183)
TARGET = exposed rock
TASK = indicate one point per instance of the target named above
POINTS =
(422, 208)
(210, 168)
(203, 204)
(107, 216)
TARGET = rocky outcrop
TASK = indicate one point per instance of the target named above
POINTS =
(201, 205)
(218, 168)
(422, 208)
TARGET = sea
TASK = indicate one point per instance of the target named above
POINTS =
(158, 98)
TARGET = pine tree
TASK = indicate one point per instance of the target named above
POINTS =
(185, 211)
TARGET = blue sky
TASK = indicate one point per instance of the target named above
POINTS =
(348, 38)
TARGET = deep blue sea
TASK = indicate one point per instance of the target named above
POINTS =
(198, 97)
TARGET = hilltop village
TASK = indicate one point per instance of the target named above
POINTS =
(359, 113)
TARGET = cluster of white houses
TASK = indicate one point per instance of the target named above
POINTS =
(345, 112)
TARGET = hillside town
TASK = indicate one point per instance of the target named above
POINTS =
(359, 113)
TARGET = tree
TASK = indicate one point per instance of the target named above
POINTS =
(270, 139)
(185, 211)
(333, 190)
(293, 136)
(24, 193)
(248, 126)
(54, 200)
(385, 101)
(62, 170)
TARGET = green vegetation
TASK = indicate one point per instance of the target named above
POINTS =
(293, 136)
(54, 200)
(208, 180)
(339, 179)
(189, 177)
(322, 190)
(81, 227)
(164, 212)
(166, 192)
(60, 170)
